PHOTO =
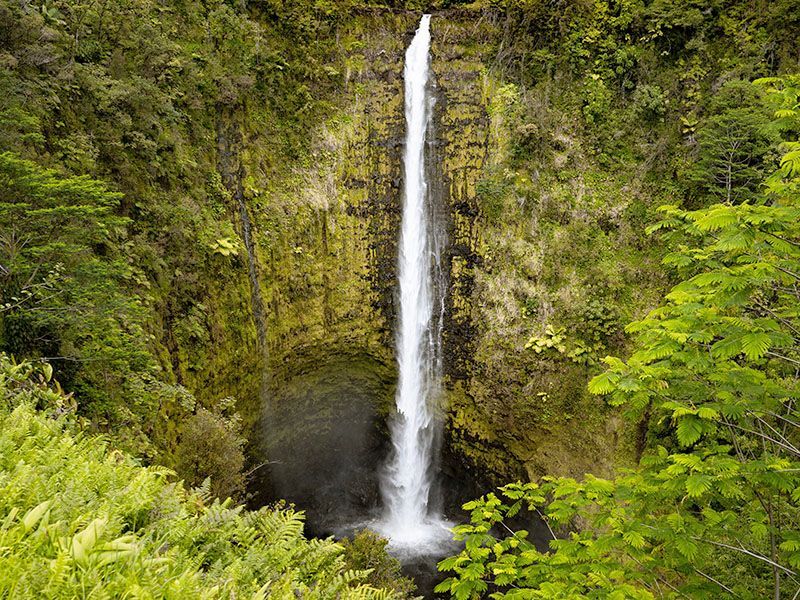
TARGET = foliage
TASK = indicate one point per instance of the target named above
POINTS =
(492, 193)
(69, 293)
(80, 518)
(211, 446)
(733, 145)
(713, 509)
(152, 98)
(366, 551)
(649, 103)
(596, 99)
(123, 123)
(596, 324)
(65, 278)
(225, 247)
(652, 77)
(556, 339)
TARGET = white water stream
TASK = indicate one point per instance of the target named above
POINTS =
(410, 520)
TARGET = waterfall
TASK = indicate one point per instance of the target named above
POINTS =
(410, 521)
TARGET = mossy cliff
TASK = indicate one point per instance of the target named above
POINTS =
(510, 412)
(326, 246)
(528, 253)
(327, 275)
(256, 148)
(561, 133)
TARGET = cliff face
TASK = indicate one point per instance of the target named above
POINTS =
(510, 412)
(316, 238)
(325, 244)
(312, 364)
(328, 275)
(257, 148)
(548, 181)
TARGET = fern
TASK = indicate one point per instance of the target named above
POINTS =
(79, 519)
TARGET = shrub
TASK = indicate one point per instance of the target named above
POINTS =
(649, 103)
(366, 551)
(211, 447)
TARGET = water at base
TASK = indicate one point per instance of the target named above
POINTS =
(428, 538)
(410, 522)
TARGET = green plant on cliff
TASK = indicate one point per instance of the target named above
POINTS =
(79, 518)
(595, 324)
(211, 446)
(713, 510)
(734, 145)
(66, 280)
(618, 107)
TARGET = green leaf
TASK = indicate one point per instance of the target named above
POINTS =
(634, 538)
(604, 383)
(690, 461)
(686, 547)
(792, 545)
(444, 586)
(689, 430)
(755, 345)
(790, 163)
(451, 562)
(759, 530)
(708, 413)
(697, 484)
(715, 218)
(727, 347)
(677, 259)
(32, 517)
(463, 589)
(474, 570)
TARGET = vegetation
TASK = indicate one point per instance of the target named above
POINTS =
(600, 112)
(123, 265)
(366, 551)
(82, 519)
(196, 214)
(713, 509)
(122, 260)
(64, 282)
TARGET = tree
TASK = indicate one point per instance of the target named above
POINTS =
(734, 145)
(211, 445)
(713, 509)
(366, 551)
(67, 290)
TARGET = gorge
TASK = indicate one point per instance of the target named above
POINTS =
(366, 261)
(331, 282)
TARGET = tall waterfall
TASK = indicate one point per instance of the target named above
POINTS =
(410, 521)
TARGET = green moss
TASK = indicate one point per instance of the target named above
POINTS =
(548, 239)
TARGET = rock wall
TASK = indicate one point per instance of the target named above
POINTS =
(510, 412)
(323, 251)
(328, 280)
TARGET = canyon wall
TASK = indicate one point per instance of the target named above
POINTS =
(324, 249)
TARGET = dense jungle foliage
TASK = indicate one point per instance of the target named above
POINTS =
(121, 230)
(713, 510)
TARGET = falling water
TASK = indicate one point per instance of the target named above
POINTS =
(410, 521)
